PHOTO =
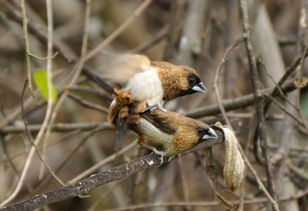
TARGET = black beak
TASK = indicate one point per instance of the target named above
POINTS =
(199, 88)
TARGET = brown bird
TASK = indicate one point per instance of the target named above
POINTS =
(152, 82)
(171, 132)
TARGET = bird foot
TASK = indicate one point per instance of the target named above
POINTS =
(154, 107)
(171, 158)
(174, 157)
(161, 154)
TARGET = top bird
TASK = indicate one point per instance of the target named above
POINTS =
(152, 82)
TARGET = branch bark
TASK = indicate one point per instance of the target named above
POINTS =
(244, 101)
(84, 186)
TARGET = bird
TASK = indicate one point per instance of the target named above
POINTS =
(152, 82)
(168, 133)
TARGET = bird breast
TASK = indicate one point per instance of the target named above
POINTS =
(146, 86)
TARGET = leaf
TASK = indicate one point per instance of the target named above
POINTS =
(40, 80)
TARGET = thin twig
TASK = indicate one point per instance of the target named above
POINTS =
(102, 163)
(204, 203)
(39, 31)
(77, 70)
(285, 97)
(298, 171)
(184, 185)
(118, 31)
(70, 155)
(63, 137)
(59, 127)
(30, 139)
(156, 39)
(90, 91)
(261, 186)
(284, 78)
(27, 44)
(211, 179)
(175, 27)
(11, 163)
(215, 84)
(49, 106)
(256, 91)
(193, 24)
(276, 102)
(87, 104)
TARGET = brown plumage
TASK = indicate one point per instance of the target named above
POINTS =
(170, 131)
(154, 83)
(176, 80)
(123, 105)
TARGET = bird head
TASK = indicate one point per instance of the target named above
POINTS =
(193, 82)
(178, 80)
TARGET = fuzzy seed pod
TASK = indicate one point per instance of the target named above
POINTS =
(234, 164)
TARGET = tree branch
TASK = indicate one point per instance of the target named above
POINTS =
(59, 127)
(84, 186)
(247, 100)
(232, 104)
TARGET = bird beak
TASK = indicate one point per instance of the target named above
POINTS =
(210, 135)
(199, 88)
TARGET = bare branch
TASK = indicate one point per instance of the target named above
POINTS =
(244, 101)
(99, 179)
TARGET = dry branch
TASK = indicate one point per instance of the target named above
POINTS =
(247, 100)
(59, 127)
(99, 179)
(232, 104)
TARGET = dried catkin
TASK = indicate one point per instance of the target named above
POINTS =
(234, 164)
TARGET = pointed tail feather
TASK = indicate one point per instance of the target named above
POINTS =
(119, 112)
(97, 79)
(122, 129)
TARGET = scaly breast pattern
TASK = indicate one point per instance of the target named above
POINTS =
(185, 139)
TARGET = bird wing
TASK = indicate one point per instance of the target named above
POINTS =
(162, 120)
(122, 68)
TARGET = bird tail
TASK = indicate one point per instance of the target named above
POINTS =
(118, 113)
(119, 108)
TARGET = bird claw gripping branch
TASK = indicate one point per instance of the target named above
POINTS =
(170, 131)
(154, 107)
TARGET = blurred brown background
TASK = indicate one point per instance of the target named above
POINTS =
(194, 33)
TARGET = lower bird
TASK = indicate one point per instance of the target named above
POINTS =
(168, 131)
(164, 132)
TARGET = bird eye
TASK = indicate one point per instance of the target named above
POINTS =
(200, 130)
(192, 80)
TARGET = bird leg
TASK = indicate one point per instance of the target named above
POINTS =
(153, 107)
(173, 157)
(161, 154)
